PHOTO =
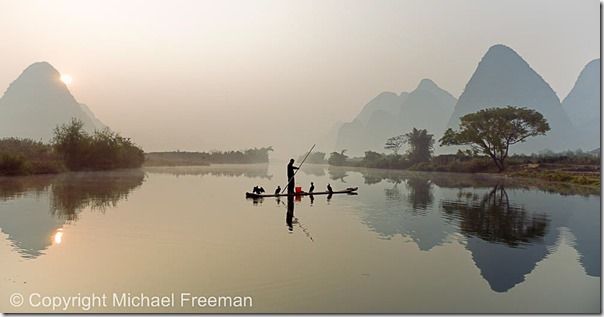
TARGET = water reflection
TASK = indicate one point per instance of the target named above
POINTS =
(337, 173)
(493, 218)
(72, 192)
(420, 193)
(34, 209)
(508, 225)
(221, 170)
(506, 241)
(314, 170)
(289, 215)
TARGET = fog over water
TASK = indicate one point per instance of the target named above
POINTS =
(203, 75)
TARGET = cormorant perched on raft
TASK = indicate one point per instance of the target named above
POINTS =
(312, 187)
(329, 189)
(278, 190)
(258, 190)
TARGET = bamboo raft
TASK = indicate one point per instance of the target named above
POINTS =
(349, 191)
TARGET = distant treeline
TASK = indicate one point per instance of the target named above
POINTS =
(314, 158)
(467, 162)
(576, 167)
(571, 166)
(486, 136)
(183, 158)
(71, 149)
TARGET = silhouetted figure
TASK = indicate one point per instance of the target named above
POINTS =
(289, 217)
(329, 189)
(312, 187)
(290, 176)
(278, 190)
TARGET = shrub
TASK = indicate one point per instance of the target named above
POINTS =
(11, 164)
(103, 150)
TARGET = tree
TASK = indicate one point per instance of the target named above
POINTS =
(314, 158)
(492, 131)
(420, 145)
(371, 156)
(102, 150)
(395, 143)
(337, 158)
(72, 142)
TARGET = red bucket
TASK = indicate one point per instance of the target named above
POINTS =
(298, 190)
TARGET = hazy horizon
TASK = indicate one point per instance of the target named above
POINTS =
(204, 75)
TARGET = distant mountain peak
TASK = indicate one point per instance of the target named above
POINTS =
(593, 63)
(583, 103)
(427, 84)
(503, 77)
(37, 101)
(500, 49)
(40, 71)
(41, 65)
(501, 57)
(385, 94)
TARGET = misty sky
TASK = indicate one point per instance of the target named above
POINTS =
(203, 75)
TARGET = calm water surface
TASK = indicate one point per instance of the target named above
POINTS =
(409, 242)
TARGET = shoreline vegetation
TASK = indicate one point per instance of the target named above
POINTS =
(579, 168)
(74, 149)
(184, 158)
(486, 137)
(71, 149)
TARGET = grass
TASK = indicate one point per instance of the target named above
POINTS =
(586, 179)
(569, 168)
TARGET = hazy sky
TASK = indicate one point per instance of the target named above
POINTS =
(202, 75)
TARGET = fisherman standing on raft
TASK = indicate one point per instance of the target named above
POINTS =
(290, 176)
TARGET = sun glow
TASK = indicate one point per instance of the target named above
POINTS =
(58, 238)
(66, 79)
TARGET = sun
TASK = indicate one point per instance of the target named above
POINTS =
(58, 237)
(66, 79)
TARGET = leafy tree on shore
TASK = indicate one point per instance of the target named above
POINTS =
(492, 131)
(337, 158)
(371, 156)
(314, 158)
(395, 143)
(420, 145)
(104, 149)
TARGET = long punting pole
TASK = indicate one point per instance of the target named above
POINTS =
(290, 180)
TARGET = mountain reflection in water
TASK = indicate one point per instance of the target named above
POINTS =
(509, 225)
(34, 208)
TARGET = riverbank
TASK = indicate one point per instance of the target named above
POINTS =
(72, 149)
(185, 158)
(571, 167)
(586, 175)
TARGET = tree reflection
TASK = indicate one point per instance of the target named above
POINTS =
(35, 208)
(220, 170)
(393, 193)
(314, 170)
(14, 187)
(337, 173)
(493, 218)
(73, 192)
(420, 193)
